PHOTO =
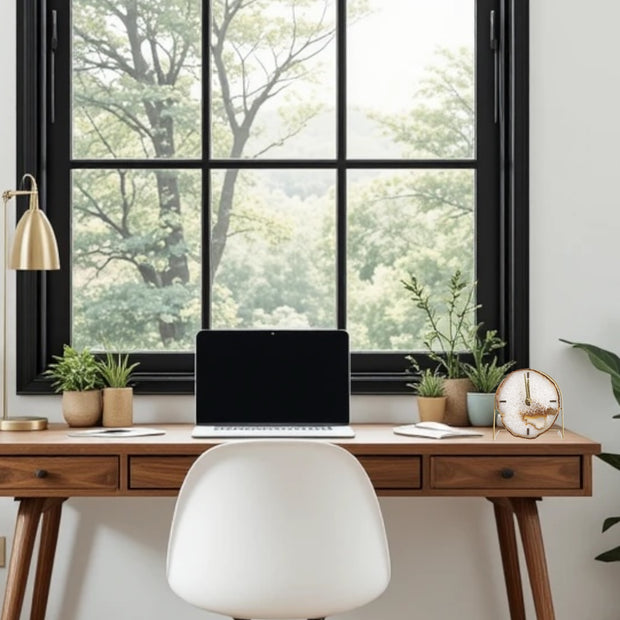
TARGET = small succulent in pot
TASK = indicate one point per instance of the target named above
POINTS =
(76, 374)
(116, 372)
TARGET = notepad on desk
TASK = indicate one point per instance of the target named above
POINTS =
(435, 430)
(117, 433)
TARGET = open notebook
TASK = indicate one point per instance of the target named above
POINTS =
(272, 383)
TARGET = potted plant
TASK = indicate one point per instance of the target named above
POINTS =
(117, 394)
(430, 396)
(608, 362)
(485, 376)
(448, 339)
(76, 375)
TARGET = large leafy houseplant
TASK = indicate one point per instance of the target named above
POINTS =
(607, 362)
(449, 333)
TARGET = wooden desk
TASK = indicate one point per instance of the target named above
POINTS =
(44, 468)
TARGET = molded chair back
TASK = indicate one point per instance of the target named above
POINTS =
(277, 529)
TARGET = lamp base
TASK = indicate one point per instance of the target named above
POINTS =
(23, 423)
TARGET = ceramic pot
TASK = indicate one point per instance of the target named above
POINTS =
(456, 405)
(118, 406)
(431, 408)
(480, 407)
(82, 408)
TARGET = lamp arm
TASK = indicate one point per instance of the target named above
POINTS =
(33, 192)
(18, 192)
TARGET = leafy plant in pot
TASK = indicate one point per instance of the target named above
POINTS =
(116, 373)
(449, 336)
(607, 362)
(431, 396)
(485, 376)
(76, 375)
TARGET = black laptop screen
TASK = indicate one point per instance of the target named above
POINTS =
(272, 377)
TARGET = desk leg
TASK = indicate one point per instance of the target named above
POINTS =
(45, 562)
(26, 526)
(534, 551)
(510, 558)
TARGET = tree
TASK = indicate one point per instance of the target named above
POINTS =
(137, 247)
(418, 221)
(135, 65)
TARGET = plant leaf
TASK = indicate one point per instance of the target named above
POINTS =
(609, 522)
(613, 555)
(603, 360)
(611, 459)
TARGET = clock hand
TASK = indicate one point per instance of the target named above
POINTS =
(526, 378)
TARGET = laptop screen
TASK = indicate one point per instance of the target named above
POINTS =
(272, 377)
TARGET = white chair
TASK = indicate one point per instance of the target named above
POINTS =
(277, 529)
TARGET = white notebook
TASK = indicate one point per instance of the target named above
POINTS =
(435, 430)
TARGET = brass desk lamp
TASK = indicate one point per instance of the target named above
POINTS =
(34, 249)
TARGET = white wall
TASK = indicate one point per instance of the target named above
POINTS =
(445, 558)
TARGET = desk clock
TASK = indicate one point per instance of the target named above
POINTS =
(528, 402)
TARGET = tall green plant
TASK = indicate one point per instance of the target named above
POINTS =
(449, 333)
(609, 363)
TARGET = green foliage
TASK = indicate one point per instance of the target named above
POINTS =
(609, 363)
(74, 371)
(430, 384)
(116, 371)
(137, 275)
(484, 374)
(449, 333)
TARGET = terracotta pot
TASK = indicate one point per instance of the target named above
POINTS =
(456, 405)
(82, 408)
(431, 408)
(118, 406)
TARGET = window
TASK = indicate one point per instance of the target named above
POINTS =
(270, 163)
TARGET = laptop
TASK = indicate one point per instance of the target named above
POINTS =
(272, 383)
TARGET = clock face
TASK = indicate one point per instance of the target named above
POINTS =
(528, 402)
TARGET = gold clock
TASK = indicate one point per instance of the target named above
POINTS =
(528, 402)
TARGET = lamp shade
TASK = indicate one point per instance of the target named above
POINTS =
(34, 244)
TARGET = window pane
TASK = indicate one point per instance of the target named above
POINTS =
(418, 222)
(412, 95)
(136, 259)
(273, 79)
(273, 248)
(136, 78)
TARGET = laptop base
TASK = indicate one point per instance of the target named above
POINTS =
(319, 431)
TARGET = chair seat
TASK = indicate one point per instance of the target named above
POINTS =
(277, 529)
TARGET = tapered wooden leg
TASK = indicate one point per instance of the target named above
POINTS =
(47, 549)
(510, 559)
(533, 548)
(26, 526)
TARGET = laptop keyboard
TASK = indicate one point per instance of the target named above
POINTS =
(205, 431)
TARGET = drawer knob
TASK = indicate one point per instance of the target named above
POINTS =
(41, 473)
(507, 473)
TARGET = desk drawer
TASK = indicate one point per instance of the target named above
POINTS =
(158, 472)
(59, 472)
(505, 472)
(168, 472)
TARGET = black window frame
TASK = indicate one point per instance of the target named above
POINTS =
(502, 178)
